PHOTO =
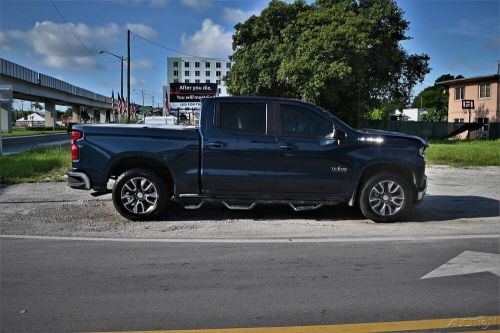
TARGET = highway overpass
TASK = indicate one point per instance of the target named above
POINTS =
(19, 82)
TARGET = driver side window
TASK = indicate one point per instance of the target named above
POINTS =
(297, 121)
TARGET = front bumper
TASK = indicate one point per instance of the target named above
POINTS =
(78, 180)
(421, 191)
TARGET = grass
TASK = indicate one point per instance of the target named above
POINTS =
(35, 166)
(464, 153)
(24, 131)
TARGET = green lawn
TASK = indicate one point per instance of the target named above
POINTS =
(35, 166)
(464, 153)
(24, 131)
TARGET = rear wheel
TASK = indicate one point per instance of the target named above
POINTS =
(386, 197)
(139, 194)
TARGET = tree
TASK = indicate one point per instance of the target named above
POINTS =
(376, 114)
(37, 106)
(435, 99)
(344, 55)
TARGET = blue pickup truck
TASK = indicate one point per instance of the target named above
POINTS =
(248, 151)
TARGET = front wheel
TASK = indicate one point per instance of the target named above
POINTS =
(386, 197)
(139, 194)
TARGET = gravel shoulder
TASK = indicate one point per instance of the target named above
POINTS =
(459, 201)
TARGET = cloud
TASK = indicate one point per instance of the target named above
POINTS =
(466, 27)
(58, 47)
(198, 4)
(211, 41)
(152, 3)
(158, 3)
(141, 64)
(236, 15)
(137, 81)
(141, 29)
(4, 42)
(493, 43)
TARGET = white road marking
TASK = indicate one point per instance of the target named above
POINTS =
(468, 262)
(257, 240)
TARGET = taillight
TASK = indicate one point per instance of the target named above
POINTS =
(75, 151)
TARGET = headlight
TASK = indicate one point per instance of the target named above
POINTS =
(421, 151)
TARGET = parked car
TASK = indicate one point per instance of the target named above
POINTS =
(247, 151)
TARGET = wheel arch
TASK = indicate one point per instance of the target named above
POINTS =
(124, 163)
(401, 169)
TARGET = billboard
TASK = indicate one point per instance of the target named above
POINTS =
(191, 92)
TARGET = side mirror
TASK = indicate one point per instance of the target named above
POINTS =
(339, 134)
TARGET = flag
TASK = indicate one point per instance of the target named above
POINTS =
(120, 105)
(124, 106)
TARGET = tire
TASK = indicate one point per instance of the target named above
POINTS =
(140, 195)
(386, 197)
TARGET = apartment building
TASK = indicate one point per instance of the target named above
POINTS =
(199, 70)
(485, 93)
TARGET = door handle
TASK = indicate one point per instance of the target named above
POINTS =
(288, 146)
(217, 144)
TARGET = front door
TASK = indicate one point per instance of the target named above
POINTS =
(308, 163)
(238, 149)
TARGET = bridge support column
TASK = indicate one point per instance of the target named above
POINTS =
(6, 117)
(5, 109)
(50, 114)
(75, 117)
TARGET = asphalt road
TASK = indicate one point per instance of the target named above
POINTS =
(13, 145)
(69, 262)
(61, 286)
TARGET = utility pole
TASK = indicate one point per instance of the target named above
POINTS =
(142, 93)
(128, 75)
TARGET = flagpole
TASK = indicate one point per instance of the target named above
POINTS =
(128, 76)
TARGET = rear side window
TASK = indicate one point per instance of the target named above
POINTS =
(302, 122)
(242, 117)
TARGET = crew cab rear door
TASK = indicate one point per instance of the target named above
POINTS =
(238, 149)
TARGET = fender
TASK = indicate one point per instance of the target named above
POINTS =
(394, 163)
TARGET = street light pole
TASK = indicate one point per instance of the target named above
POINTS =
(121, 77)
(142, 94)
(121, 72)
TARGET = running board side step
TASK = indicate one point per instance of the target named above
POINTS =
(239, 207)
(193, 207)
(301, 208)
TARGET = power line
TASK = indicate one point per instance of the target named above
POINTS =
(74, 34)
(173, 50)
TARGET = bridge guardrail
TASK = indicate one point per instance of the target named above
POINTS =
(9, 68)
(18, 71)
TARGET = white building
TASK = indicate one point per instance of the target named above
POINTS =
(32, 120)
(413, 114)
(198, 70)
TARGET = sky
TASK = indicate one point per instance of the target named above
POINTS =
(62, 38)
